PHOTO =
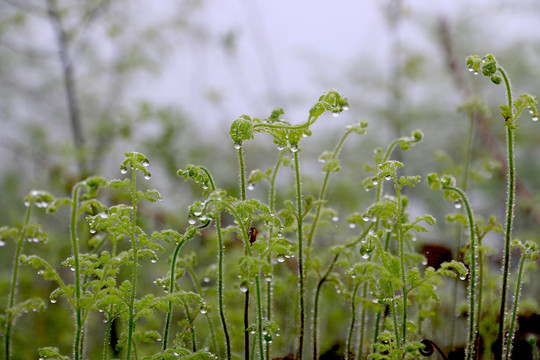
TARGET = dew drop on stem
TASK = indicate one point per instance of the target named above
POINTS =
(237, 146)
(535, 118)
(243, 287)
(294, 148)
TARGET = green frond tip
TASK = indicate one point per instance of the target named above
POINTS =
(241, 129)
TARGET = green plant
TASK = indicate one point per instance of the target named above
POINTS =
(276, 247)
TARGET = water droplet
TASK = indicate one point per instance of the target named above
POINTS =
(352, 226)
(203, 218)
(280, 147)
(353, 275)
(2, 243)
(252, 332)
(205, 187)
(413, 238)
(27, 203)
(280, 233)
(424, 262)
(335, 218)
(294, 148)
(365, 256)
(191, 221)
(268, 278)
(206, 279)
(197, 213)
(147, 176)
(373, 218)
(237, 146)
(535, 118)
(204, 310)
(153, 261)
(475, 72)
(462, 277)
(365, 217)
(471, 69)
(123, 169)
(145, 162)
(457, 205)
(387, 177)
(345, 107)
(281, 258)
(244, 287)
(322, 161)
(375, 181)
(92, 231)
(531, 111)
(335, 114)
(72, 268)
(251, 186)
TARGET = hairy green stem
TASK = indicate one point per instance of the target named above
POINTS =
(473, 326)
(301, 294)
(134, 245)
(77, 348)
(401, 260)
(316, 306)
(348, 352)
(509, 215)
(514, 310)
(13, 286)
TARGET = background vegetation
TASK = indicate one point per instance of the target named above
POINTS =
(81, 83)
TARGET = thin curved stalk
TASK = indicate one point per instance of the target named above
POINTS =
(316, 307)
(348, 352)
(134, 245)
(191, 327)
(470, 352)
(220, 271)
(77, 348)
(509, 214)
(508, 351)
(11, 298)
(401, 260)
(301, 294)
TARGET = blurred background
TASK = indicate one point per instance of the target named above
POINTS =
(83, 82)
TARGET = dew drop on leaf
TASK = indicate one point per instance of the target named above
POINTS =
(457, 205)
(352, 225)
(145, 162)
(204, 310)
(471, 69)
(294, 148)
(535, 118)
(192, 221)
(531, 111)
(123, 169)
(147, 176)
(365, 217)
(281, 258)
(153, 261)
(27, 203)
(92, 231)
(197, 213)
(365, 256)
(280, 147)
(375, 181)
(206, 279)
(251, 186)
(335, 218)
(462, 277)
(387, 177)
(2, 243)
(72, 268)
(335, 114)
(243, 287)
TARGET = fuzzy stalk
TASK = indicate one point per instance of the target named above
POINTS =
(301, 294)
(508, 350)
(473, 326)
(13, 286)
(402, 261)
(134, 245)
(77, 347)
(348, 352)
(509, 215)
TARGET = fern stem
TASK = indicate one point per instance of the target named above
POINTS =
(133, 236)
(11, 299)
(509, 215)
(514, 310)
(348, 352)
(77, 348)
(301, 294)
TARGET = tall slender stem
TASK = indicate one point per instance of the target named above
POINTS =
(77, 348)
(402, 260)
(300, 257)
(509, 215)
(134, 245)
(514, 310)
(13, 287)
(348, 352)
(470, 354)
